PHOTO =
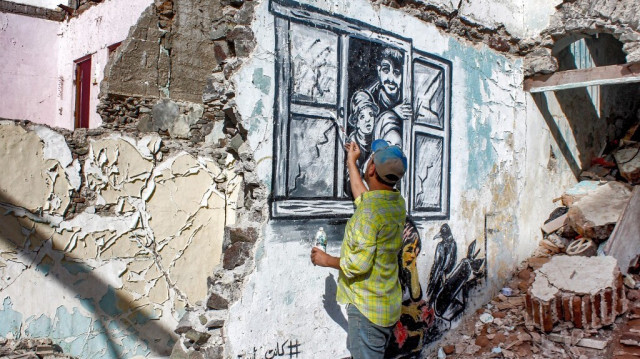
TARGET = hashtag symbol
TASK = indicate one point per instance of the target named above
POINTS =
(294, 349)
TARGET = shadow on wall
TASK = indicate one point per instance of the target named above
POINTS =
(330, 304)
(111, 312)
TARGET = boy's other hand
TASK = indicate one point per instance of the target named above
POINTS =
(353, 152)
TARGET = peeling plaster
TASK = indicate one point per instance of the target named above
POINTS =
(103, 268)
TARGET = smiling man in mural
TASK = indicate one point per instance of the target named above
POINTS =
(386, 94)
(368, 281)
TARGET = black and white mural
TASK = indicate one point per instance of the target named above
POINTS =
(340, 81)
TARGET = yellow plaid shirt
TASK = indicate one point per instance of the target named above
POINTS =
(369, 257)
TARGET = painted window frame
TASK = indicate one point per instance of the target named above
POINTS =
(287, 12)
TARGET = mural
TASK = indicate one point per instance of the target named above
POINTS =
(426, 315)
(340, 81)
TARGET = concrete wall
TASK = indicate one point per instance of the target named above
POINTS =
(39, 61)
(104, 251)
(499, 159)
(29, 75)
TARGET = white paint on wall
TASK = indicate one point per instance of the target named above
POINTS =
(499, 159)
(492, 14)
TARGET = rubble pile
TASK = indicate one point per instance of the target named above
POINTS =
(601, 209)
(579, 295)
(586, 291)
(503, 329)
(30, 348)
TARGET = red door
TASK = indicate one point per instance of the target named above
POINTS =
(83, 89)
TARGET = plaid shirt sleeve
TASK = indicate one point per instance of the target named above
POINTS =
(359, 259)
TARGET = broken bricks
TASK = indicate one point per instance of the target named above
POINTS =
(596, 214)
(587, 291)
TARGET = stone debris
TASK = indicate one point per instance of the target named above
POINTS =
(594, 216)
(586, 291)
(602, 204)
(628, 160)
(512, 335)
(31, 348)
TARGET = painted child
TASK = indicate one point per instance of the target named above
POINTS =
(362, 121)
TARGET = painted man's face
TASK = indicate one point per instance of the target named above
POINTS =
(366, 118)
(390, 77)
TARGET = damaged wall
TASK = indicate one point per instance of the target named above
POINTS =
(210, 109)
(492, 217)
(48, 4)
(109, 236)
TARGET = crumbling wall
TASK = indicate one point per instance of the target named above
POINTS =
(102, 226)
(194, 135)
(577, 19)
(38, 75)
(289, 305)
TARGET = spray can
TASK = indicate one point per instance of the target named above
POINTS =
(321, 239)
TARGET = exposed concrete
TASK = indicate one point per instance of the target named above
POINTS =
(596, 214)
(126, 256)
(628, 160)
(576, 19)
(44, 9)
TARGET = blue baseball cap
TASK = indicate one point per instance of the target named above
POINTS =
(391, 163)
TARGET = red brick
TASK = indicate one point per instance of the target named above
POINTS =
(630, 339)
(558, 302)
(635, 323)
(597, 305)
(529, 305)
(482, 341)
(577, 312)
(499, 314)
(566, 308)
(537, 262)
(608, 300)
(547, 320)
(536, 313)
(525, 274)
(627, 350)
(587, 310)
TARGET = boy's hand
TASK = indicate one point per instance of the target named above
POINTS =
(319, 257)
(353, 152)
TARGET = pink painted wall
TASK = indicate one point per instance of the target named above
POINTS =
(37, 57)
(91, 33)
(29, 70)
